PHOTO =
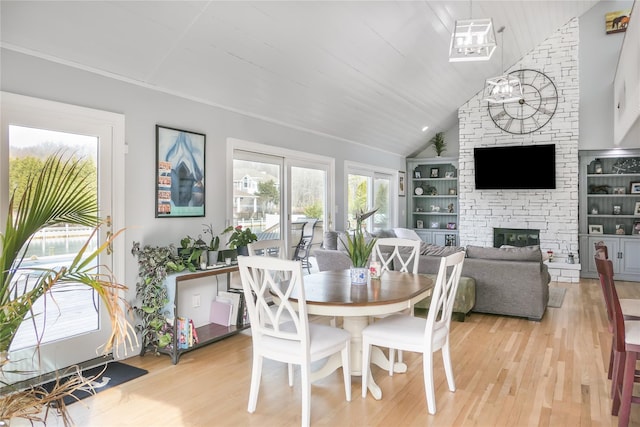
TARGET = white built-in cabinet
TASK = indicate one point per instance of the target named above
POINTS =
(432, 199)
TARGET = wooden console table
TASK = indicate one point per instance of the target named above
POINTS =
(208, 333)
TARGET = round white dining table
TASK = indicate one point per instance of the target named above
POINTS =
(330, 293)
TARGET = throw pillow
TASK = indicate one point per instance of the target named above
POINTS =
(435, 250)
(405, 233)
(526, 253)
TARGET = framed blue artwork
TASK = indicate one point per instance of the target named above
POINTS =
(180, 173)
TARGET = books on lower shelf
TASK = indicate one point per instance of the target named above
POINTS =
(187, 334)
(238, 314)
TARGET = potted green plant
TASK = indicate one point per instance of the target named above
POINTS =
(240, 238)
(191, 251)
(438, 143)
(154, 264)
(60, 193)
(359, 248)
(214, 244)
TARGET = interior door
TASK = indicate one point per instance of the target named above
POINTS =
(71, 324)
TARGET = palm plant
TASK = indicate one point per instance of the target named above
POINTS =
(439, 143)
(58, 194)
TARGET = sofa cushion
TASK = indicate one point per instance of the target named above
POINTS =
(435, 250)
(526, 253)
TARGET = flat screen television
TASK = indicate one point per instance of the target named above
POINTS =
(528, 167)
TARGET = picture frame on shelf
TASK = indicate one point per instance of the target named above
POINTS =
(451, 226)
(417, 174)
(617, 209)
(634, 188)
(620, 229)
(419, 224)
(176, 148)
(401, 183)
(595, 229)
(636, 227)
(435, 224)
(453, 191)
(619, 190)
(636, 209)
(449, 174)
(435, 173)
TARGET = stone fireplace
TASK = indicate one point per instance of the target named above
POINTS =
(515, 237)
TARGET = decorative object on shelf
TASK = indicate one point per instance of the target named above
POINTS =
(451, 226)
(439, 145)
(435, 172)
(636, 209)
(180, 173)
(435, 224)
(358, 248)
(597, 166)
(435, 208)
(449, 174)
(619, 190)
(626, 165)
(453, 191)
(418, 191)
(594, 210)
(450, 208)
(595, 229)
(570, 258)
(417, 174)
(635, 188)
(431, 191)
(617, 210)
(419, 223)
(550, 255)
(418, 209)
(599, 189)
(402, 183)
(636, 228)
(214, 245)
(533, 110)
(620, 229)
(190, 251)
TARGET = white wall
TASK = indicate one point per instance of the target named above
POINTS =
(553, 212)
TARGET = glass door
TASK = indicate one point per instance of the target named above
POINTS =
(70, 324)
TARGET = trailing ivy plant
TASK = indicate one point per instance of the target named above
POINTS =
(154, 263)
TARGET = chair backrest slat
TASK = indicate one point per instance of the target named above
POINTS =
(605, 271)
(398, 254)
(444, 293)
(261, 278)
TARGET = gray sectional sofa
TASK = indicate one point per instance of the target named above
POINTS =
(509, 281)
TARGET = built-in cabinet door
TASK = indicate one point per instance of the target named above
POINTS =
(630, 260)
(613, 249)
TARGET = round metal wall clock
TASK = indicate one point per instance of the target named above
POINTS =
(533, 111)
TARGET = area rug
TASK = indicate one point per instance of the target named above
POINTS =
(556, 297)
(116, 373)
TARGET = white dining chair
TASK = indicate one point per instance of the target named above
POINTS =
(293, 342)
(426, 336)
(268, 247)
(397, 254)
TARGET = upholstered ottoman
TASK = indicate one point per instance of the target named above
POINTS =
(465, 299)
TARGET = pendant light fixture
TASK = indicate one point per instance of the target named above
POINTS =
(504, 88)
(472, 39)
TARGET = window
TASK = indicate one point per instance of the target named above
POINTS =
(369, 188)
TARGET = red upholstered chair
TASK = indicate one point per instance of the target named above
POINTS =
(626, 346)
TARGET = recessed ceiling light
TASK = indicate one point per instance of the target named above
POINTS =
(424, 129)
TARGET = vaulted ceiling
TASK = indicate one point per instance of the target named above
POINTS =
(371, 72)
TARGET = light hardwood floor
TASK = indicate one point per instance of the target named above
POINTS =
(508, 371)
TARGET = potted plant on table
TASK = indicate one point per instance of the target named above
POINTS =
(60, 193)
(240, 238)
(214, 244)
(359, 249)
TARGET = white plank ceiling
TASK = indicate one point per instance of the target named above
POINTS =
(370, 72)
